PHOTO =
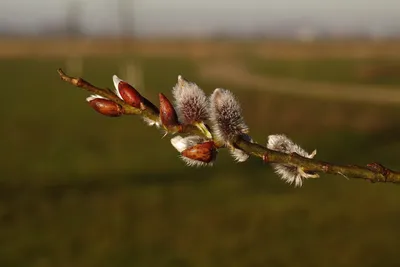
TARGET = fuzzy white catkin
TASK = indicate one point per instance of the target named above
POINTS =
(190, 102)
(289, 173)
(227, 121)
(226, 116)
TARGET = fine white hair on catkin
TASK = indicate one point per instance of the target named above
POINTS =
(151, 122)
(181, 143)
(226, 116)
(195, 163)
(190, 102)
(289, 173)
(238, 155)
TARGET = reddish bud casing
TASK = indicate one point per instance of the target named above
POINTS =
(129, 94)
(106, 107)
(168, 115)
(203, 152)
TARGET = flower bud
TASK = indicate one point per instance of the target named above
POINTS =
(168, 114)
(200, 154)
(190, 101)
(226, 116)
(227, 122)
(291, 174)
(127, 93)
(105, 106)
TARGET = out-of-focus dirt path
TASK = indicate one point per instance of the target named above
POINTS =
(236, 74)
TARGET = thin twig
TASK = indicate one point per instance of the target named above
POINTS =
(148, 109)
(373, 172)
(79, 82)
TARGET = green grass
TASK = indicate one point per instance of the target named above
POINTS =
(80, 189)
(221, 219)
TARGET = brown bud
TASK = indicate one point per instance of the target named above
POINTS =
(203, 152)
(106, 107)
(129, 94)
(168, 115)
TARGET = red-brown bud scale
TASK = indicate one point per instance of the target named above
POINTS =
(168, 115)
(129, 94)
(204, 152)
(106, 107)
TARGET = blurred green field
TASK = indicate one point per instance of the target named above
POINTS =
(338, 70)
(80, 189)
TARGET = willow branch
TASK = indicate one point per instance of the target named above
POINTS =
(373, 172)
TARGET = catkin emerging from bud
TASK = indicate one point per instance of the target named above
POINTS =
(190, 102)
(132, 97)
(195, 150)
(126, 92)
(290, 173)
(202, 154)
(182, 143)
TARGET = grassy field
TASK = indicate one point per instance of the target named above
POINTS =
(351, 71)
(80, 189)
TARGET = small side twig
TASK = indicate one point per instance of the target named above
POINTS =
(79, 82)
(148, 110)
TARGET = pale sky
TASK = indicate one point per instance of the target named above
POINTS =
(201, 16)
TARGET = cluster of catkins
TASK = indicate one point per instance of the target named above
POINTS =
(192, 107)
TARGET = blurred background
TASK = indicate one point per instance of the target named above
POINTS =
(80, 189)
